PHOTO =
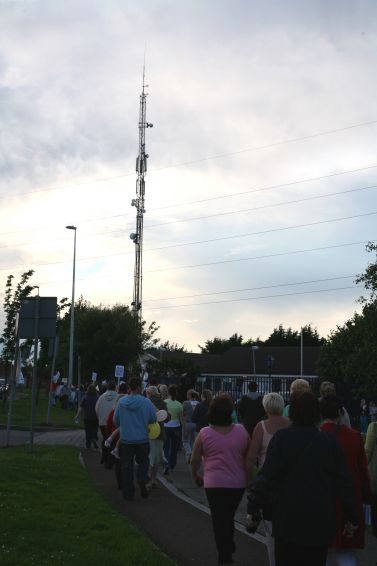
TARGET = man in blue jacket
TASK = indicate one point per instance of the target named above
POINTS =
(133, 415)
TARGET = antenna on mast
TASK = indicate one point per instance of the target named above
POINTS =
(145, 54)
(139, 202)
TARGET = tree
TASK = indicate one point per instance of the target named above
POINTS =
(369, 277)
(221, 345)
(282, 337)
(104, 337)
(12, 303)
(172, 347)
(288, 337)
(350, 353)
(349, 356)
(278, 337)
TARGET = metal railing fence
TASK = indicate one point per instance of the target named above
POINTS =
(237, 385)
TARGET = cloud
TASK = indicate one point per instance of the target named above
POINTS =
(223, 78)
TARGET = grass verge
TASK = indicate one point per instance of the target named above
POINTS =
(22, 411)
(51, 515)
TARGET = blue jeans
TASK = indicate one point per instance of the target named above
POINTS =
(188, 437)
(364, 422)
(129, 453)
(171, 445)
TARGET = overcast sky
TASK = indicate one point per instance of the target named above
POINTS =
(262, 181)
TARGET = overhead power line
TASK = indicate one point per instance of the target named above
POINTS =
(229, 195)
(220, 214)
(266, 146)
(262, 207)
(284, 228)
(192, 162)
(253, 298)
(104, 256)
(266, 188)
(69, 261)
(280, 254)
(250, 289)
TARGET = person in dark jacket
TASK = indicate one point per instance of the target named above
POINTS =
(200, 413)
(88, 407)
(250, 408)
(303, 475)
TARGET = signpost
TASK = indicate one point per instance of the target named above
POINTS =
(37, 320)
(119, 373)
(53, 380)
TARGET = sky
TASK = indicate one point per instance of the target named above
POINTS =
(261, 190)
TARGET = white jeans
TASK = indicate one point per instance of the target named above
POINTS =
(341, 557)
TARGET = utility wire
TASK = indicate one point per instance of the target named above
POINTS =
(220, 214)
(253, 298)
(230, 195)
(201, 160)
(258, 257)
(249, 289)
(211, 293)
(266, 146)
(261, 207)
(235, 236)
(104, 256)
(78, 260)
(266, 188)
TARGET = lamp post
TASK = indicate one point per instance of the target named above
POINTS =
(72, 327)
(34, 386)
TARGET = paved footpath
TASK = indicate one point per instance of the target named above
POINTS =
(183, 531)
(175, 516)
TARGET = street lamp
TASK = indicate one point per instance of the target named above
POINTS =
(72, 328)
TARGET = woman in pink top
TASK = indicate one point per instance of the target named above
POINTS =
(223, 447)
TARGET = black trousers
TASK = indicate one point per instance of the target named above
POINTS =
(223, 503)
(105, 451)
(91, 428)
(290, 554)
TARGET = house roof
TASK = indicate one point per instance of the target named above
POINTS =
(239, 360)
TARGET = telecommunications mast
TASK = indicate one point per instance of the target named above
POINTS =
(138, 202)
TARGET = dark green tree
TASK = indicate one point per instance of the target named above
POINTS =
(172, 347)
(221, 345)
(104, 337)
(350, 353)
(349, 356)
(12, 303)
(369, 277)
(281, 336)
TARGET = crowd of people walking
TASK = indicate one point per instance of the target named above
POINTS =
(310, 479)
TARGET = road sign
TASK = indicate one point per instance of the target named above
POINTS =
(40, 309)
